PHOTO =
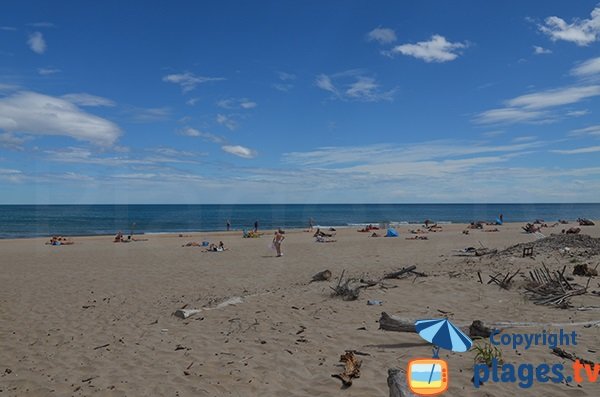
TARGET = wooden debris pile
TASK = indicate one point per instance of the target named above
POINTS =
(581, 244)
(349, 289)
(551, 288)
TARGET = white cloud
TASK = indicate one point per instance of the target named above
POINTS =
(37, 43)
(47, 71)
(588, 68)
(589, 149)
(227, 121)
(8, 87)
(192, 101)
(38, 114)
(11, 141)
(593, 130)
(578, 113)
(148, 115)
(521, 139)
(233, 103)
(382, 35)
(285, 84)
(83, 99)
(437, 49)
(393, 154)
(239, 151)
(193, 132)
(189, 81)
(556, 97)
(537, 50)
(11, 175)
(532, 107)
(508, 115)
(324, 82)
(246, 104)
(581, 31)
(283, 76)
(353, 85)
(160, 156)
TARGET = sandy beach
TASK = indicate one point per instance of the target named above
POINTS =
(96, 318)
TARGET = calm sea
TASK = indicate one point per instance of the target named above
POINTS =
(77, 220)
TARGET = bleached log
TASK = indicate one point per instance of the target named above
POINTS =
(397, 383)
(476, 328)
(185, 313)
(397, 324)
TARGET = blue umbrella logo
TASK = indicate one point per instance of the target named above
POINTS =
(443, 334)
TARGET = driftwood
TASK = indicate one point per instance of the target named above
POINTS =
(476, 328)
(397, 384)
(506, 281)
(398, 324)
(325, 275)
(347, 290)
(351, 368)
(400, 272)
(185, 313)
(570, 356)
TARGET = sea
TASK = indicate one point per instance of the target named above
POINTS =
(19, 221)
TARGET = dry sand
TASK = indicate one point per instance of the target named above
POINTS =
(58, 305)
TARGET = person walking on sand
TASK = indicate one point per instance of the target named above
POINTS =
(228, 225)
(256, 226)
(277, 240)
(311, 223)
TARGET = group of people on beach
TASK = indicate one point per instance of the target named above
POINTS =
(60, 240)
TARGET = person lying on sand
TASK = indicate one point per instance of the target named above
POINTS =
(573, 230)
(119, 238)
(322, 234)
(217, 247)
(192, 244)
(322, 239)
(476, 225)
(368, 228)
(251, 234)
(492, 230)
(59, 240)
(375, 235)
(435, 228)
(531, 228)
(417, 238)
(418, 231)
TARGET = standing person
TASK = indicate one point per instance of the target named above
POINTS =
(256, 226)
(310, 223)
(228, 225)
(277, 240)
(501, 218)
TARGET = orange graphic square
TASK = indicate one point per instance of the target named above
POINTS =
(427, 376)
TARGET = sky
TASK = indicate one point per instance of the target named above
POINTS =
(299, 102)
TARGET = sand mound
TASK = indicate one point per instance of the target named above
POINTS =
(577, 243)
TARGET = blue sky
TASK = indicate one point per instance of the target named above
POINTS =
(294, 102)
